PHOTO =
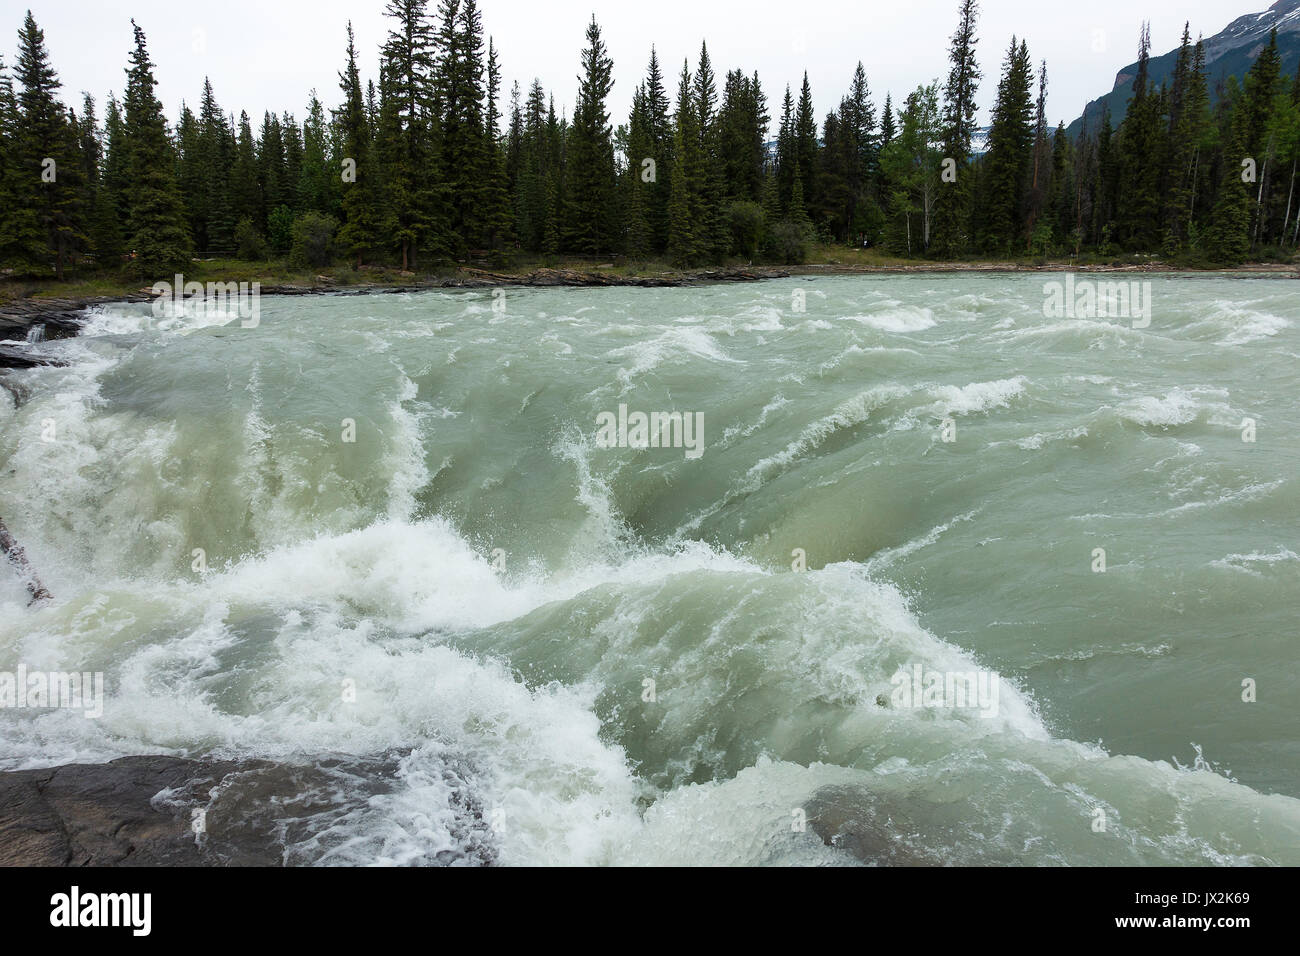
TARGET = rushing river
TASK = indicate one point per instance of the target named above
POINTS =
(389, 525)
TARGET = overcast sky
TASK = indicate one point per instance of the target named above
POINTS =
(268, 54)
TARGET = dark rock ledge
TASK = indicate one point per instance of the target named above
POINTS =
(141, 811)
(55, 319)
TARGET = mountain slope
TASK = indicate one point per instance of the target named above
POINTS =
(1230, 52)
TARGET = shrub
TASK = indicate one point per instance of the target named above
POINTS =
(279, 227)
(745, 221)
(313, 240)
(249, 243)
(788, 242)
(1272, 254)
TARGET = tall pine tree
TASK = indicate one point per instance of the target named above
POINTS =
(952, 212)
(158, 239)
(590, 174)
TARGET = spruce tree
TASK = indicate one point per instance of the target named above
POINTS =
(805, 135)
(495, 225)
(556, 136)
(213, 161)
(771, 202)
(1063, 193)
(1006, 167)
(637, 234)
(1227, 239)
(786, 151)
(108, 231)
(1106, 186)
(408, 138)
(712, 226)
(681, 227)
(1141, 158)
(860, 161)
(91, 152)
(191, 176)
(531, 190)
(49, 167)
(589, 178)
(245, 190)
(459, 84)
(22, 243)
(797, 214)
(292, 160)
(1039, 234)
(834, 174)
(514, 158)
(270, 166)
(659, 130)
(359, 234)
(1186, 117)
(158, 239)
(952, 214)
(742, 128)
(888, 126)
(316, 183)
(686, 245)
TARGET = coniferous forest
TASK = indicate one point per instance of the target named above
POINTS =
(433, 162)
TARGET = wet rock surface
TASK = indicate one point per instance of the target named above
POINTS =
(172, 811)
(893, 829)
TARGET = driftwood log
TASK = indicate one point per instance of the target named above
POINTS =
(18, 558)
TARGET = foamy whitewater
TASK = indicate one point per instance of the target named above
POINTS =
(565, 653)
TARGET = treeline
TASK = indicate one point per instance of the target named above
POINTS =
(427, 164)
(1177, 178)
